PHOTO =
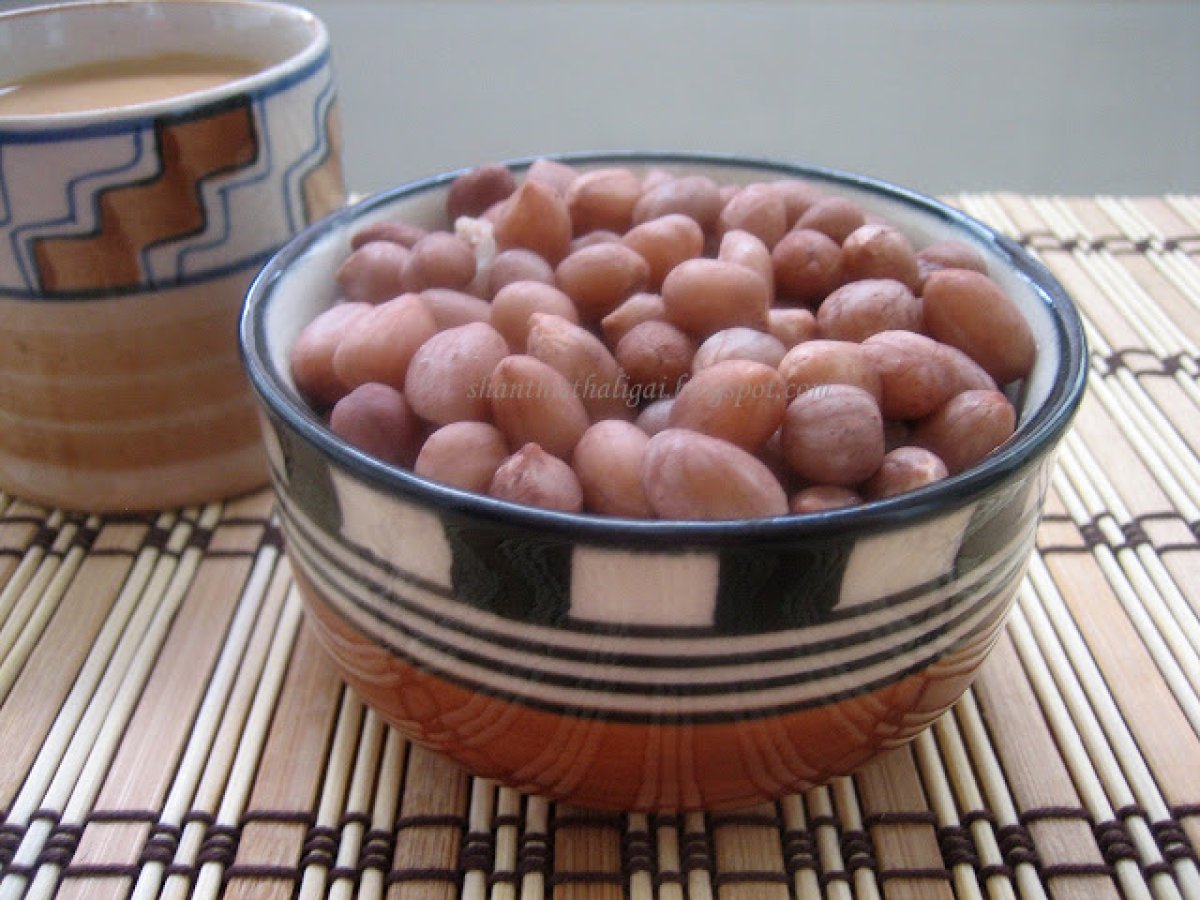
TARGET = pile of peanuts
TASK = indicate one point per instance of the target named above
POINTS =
(659, 345)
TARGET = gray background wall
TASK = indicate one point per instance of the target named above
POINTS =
(1070, 96)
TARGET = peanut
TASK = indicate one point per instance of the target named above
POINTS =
(450, 307)
(656, 354)
(378, 345)
(639, 308)
(807, 265)
(533, 403)
(704, 296)
(463, 454)
(904, 469)
(948, 255)
(312, 353)
(655, 416)
(833, 434)
(880, 251)
(517, 264)
(819, 362)
(664, 243)
(535, 217)
(695, 196)
(608, 462)
(758, 209)
(375, 419)
(791, 325)
(581, 358)
(745, 249)
(739, 343)
(515, 304)
(374, 272)
(600, 277)
(536, 478)
(473, 192)
(440, 260)
(552, 173)
(967, 428)
(822, 497)
(836, 217)
(914, 376)
(687, 475)
(738, 400)
(603, 199)
(448, 376)
(969, 311)
(857, 310)
(403, 233)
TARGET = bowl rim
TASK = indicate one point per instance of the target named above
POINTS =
(1035, 437)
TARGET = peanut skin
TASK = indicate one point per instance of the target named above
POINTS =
(833, 435)
(687, 475)
(969, 311)
(608, 461)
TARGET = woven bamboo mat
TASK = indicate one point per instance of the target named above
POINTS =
(167, 727)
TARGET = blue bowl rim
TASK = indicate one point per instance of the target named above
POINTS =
(1035, 437)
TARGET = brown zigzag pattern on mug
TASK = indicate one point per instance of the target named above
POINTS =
(163, 208)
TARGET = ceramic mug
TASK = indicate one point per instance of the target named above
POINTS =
(129, 232)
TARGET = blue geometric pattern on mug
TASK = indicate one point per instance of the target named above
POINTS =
(181, 199)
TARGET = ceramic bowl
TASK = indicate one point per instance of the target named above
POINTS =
(654, 665)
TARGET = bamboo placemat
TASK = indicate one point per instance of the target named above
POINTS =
(167, 727)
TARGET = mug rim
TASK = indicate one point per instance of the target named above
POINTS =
(1034, 438)
(264, 80)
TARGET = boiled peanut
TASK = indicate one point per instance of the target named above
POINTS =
(581, 358)
(536, 478)
(448, 377)
(603, 199)
(914, 377)
(880, 251)
(739, 343)
(533, 403)
(967, 374)
(857, 310)
(639, 308)
(819, 362)
(656, 354)
(967, 428)
(374, 272)
(515, 303)
(535, 217)
(599, 236)
(969, 311)
(704, 296)
(375, 419)
(600, 277)
(378, 345)
(463, 454)
(473, 192)
(807, 265)
(664, 243)
(608, 462)
(904, 469)
(312, 353)
(688, 475)
(738, 400)
(833, 434)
